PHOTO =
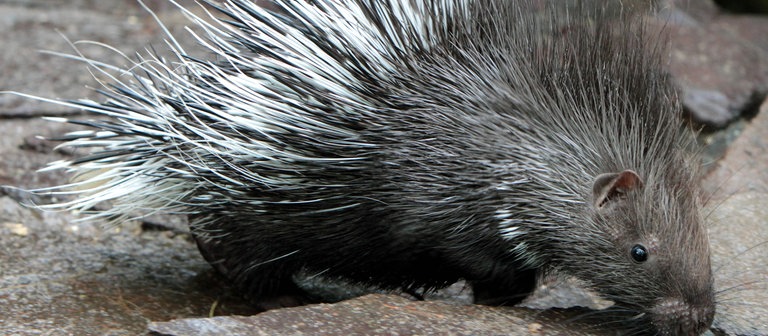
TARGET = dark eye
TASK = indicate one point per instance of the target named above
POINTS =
(639, 253)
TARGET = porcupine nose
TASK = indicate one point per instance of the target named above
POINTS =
(701, 319)
(674, 317)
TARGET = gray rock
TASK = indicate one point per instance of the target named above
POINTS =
(719, 61)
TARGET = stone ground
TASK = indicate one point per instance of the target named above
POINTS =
(59, 276)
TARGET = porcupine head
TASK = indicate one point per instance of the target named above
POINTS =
(403, 143)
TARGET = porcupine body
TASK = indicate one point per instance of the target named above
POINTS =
(409, 144)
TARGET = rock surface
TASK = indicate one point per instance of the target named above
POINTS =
(719, 60)
(738, 199)
(381, 315)
(62, 277)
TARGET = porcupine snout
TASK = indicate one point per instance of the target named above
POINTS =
(683, 317)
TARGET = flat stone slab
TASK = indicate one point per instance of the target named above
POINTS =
(378, 314)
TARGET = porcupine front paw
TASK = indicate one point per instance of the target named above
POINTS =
(503, 292)
(266, 287)
(288, 295)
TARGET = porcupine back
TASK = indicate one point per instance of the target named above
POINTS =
(410, 144)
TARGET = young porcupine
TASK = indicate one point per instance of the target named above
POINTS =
(409, 144)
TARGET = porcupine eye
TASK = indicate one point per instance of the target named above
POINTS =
(639, 253)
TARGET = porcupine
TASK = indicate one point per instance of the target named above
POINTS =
(410, 144)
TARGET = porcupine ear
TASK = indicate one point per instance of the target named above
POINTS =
(610, 188)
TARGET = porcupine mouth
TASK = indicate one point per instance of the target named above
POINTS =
(676, 317)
